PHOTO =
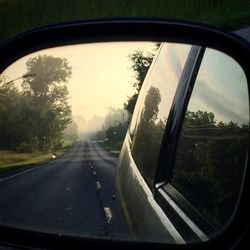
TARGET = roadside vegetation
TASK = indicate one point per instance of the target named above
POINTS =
(116, 123)
(114, 130)
(35, 118)
(10, 159)
(40, 109)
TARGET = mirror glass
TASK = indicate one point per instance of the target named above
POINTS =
(68, 166)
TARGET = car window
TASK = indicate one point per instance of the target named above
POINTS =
(213, 144)
(152, 110)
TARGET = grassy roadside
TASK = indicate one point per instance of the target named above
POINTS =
(19, 15)
(113, 148)
(9, 159)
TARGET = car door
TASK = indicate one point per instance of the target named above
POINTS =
(203, 172)
(182, 164)
(137, 175)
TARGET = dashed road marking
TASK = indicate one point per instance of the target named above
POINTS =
(98, 185)
(108, 214)
(94, 172)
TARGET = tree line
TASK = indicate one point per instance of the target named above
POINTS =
(35, 115)
(210, 159)
(115, 126)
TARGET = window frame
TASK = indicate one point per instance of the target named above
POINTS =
(196, 228)
(188, 69)
(177, 115)
(172, 202)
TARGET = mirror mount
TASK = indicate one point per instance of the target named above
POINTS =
(125, 30)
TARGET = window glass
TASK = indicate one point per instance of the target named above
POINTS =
(213, 143)
(155, 102)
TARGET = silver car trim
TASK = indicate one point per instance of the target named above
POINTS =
(166, 222)
(162, 216)
(185, 217)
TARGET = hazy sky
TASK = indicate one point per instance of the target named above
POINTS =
(221, 88)
(102, 78)
(101, 74)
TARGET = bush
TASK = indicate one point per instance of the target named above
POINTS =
(29, 147)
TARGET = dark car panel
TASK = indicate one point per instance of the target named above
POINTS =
(193, 179)
(133, 191)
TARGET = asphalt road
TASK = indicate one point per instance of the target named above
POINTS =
(72, 195)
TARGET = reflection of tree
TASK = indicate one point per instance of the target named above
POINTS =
(152, 101)
(209, 164)
(148, 135)
(141, 62)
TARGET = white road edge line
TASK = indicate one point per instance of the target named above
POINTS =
(18, 174)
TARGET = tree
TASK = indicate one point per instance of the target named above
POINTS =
(49, 73)
(209, 164)
(152, 102)
(114, 117)
(141, 62)
(71, 132)
(10, 101)
(36, 116)
(48, 93)
(148, 137)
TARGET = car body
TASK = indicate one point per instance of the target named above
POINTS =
(182, 120)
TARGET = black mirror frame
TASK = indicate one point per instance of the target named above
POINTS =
(130, 30)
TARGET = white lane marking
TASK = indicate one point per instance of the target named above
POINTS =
(108, 214)
(98, 185)
(18, 174)
(94, 172)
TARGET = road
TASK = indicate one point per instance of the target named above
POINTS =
(72, 195)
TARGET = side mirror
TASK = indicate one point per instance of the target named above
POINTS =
(128, 131)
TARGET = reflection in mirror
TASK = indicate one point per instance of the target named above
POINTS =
(213, 144)
(151, 117)
(64, 116)
(62, 124)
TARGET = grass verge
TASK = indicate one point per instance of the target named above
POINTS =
(114, 148)
(10, 159)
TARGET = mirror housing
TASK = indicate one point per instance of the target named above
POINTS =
(129, 30)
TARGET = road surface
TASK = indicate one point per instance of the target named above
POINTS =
(72, 195)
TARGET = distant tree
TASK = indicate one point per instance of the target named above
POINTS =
(71, 132)
(116, 133)
(114, 117)
(114, 127)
